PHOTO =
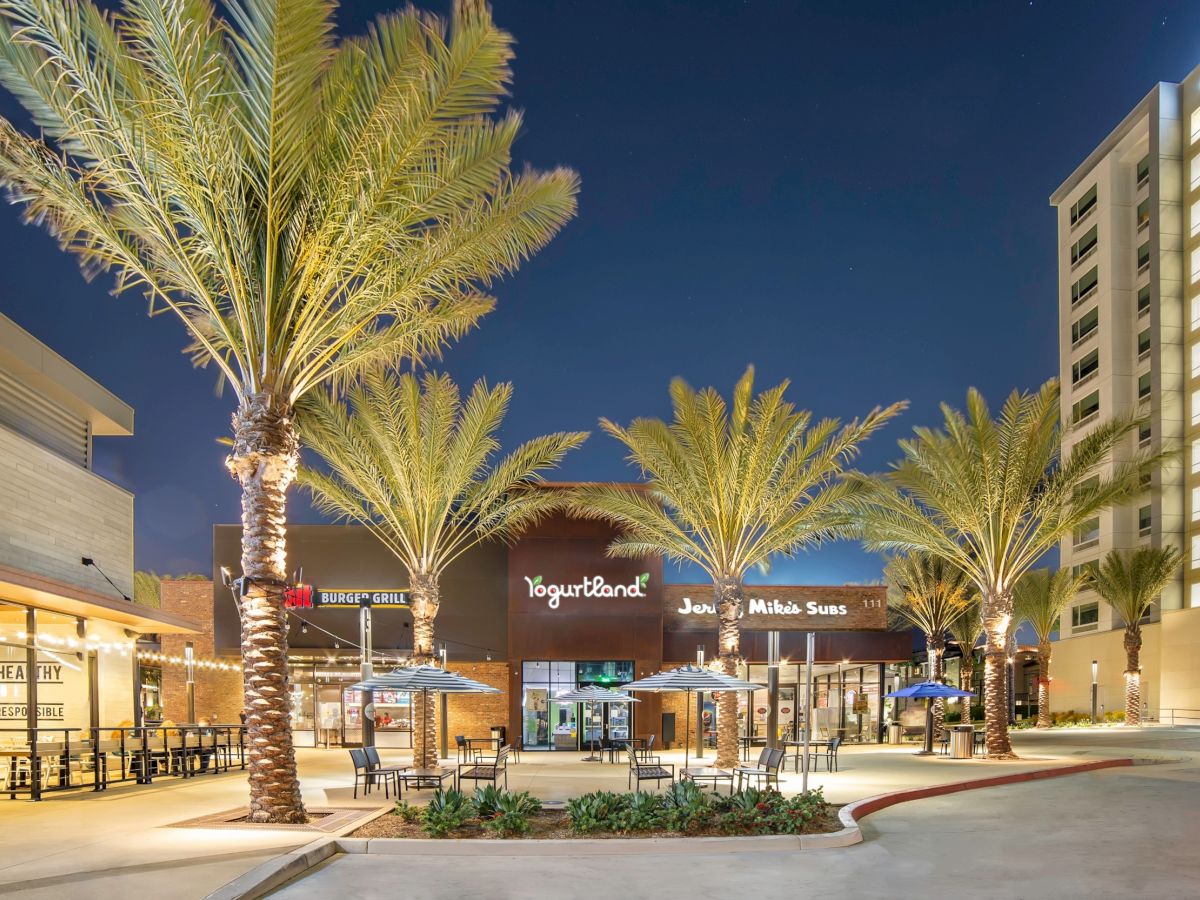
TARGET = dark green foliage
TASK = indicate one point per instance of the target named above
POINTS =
(446, 811)
(506, 813)
(407, 812)
(685, 808)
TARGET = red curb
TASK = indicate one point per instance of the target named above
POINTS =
(863, 808)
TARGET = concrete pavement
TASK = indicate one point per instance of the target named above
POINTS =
(70, 845)
(1117, 833)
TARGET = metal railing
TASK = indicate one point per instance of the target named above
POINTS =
(1178, 716)
(36, 761)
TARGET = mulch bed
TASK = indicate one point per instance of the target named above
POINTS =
(554, 824)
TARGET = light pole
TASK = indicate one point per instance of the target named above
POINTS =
(1095, 689)
(809, 643)
(443, 745)
(772, 690)
(189, 668)
(699, 706)
(366, 672)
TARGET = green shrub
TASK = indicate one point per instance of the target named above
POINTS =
(754, 811)
(685, 807)
(509, 812)
(642, 812)
(407, 812)
(486, 799)
(447, 810)
(596, 811)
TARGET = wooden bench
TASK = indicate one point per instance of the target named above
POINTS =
(648, 768)
(486, 768)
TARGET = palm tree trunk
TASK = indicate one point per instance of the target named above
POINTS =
(936, 644)
(997, 615)
(425, 600)
(966, 676)
(1133, 674)
(1043, 684)
(728, 597)
(263, 460)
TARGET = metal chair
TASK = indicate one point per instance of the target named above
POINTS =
(378, 768)
(363, 773)
(767, 768)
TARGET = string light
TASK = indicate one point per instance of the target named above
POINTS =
(211, 664)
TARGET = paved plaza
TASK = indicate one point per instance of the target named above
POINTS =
(79, 845)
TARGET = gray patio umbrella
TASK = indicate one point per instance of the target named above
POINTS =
(687, 679)
(425, 679)
(591, 695)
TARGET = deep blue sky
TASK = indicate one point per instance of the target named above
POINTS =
(851, 196)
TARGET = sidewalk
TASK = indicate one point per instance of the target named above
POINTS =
(77, 845)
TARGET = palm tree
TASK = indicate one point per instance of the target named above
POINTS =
(1130, 583)
(966, 630)
(414, 463)
(307, 207)
(1039, 599)
(992, 496)
(728, 489)
(930, 594)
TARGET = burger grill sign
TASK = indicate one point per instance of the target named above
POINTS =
(590, 587)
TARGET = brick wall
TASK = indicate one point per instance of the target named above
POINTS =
(472, 715)
(218, 693)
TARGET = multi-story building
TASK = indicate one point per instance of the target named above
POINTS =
(67, 626)
(1129, 342)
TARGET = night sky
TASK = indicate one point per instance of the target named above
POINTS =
(851, 196)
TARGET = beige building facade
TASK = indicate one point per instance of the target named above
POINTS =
(1129, 343)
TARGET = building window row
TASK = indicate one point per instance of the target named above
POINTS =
(1085, 325)
(1143, 214)
(1144, 386)
(1087, 534)
(1143, 257)
(1143, 299)
(1085, 616)
(1084, 409)
(1144, 434)
(1145, 521)
(1083, 368)
(1085, 246)
(1143, 343)
(1143, 170)
(1084, 205)
(1086, 285)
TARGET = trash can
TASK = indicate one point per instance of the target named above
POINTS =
(895, 730)
(499, 735)
(961, 738)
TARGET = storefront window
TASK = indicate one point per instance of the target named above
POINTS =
(547, 724)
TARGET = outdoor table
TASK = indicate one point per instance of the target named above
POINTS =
(747, 742)
(487, 743)
(798, 748)
(617, 746)
(708, 773)
(419, 778)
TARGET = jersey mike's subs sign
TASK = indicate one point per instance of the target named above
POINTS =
(691, 607)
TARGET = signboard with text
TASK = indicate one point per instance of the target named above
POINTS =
(306, 596)
(690, 607)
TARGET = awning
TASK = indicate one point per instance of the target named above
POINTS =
(56, 596)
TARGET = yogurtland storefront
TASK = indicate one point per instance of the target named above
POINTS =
(548, 614)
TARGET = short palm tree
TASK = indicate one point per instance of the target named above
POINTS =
(1130, 582)
(413, 462)
(992, 496)
(306, 207)
(1039, 599)
(730, 487)
(930, 594)
(966, 630)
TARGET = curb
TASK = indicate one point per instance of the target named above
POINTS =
(275, 872)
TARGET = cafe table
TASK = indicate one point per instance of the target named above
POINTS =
(710, 774)
(798, 748)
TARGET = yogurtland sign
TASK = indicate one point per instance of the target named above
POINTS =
(781, 608)
(591, 586)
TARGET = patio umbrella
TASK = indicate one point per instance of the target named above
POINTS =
(687, 679)
(424, 679)
(929, 691)
(592, 695)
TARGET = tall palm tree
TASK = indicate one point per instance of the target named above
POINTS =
(730, 487)
(306, 207)
(930, 594)
(1130, 582)
(413, 462)
(1039, 599)
(966, 630)
(993, 496)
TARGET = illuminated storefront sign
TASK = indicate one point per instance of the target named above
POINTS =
(307, 597)
(591, 586)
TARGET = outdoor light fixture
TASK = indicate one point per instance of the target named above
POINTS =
(304, 628)
(226, 576)
(88, 561)
(1095, 688)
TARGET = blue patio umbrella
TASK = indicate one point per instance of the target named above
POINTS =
(928, 691)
